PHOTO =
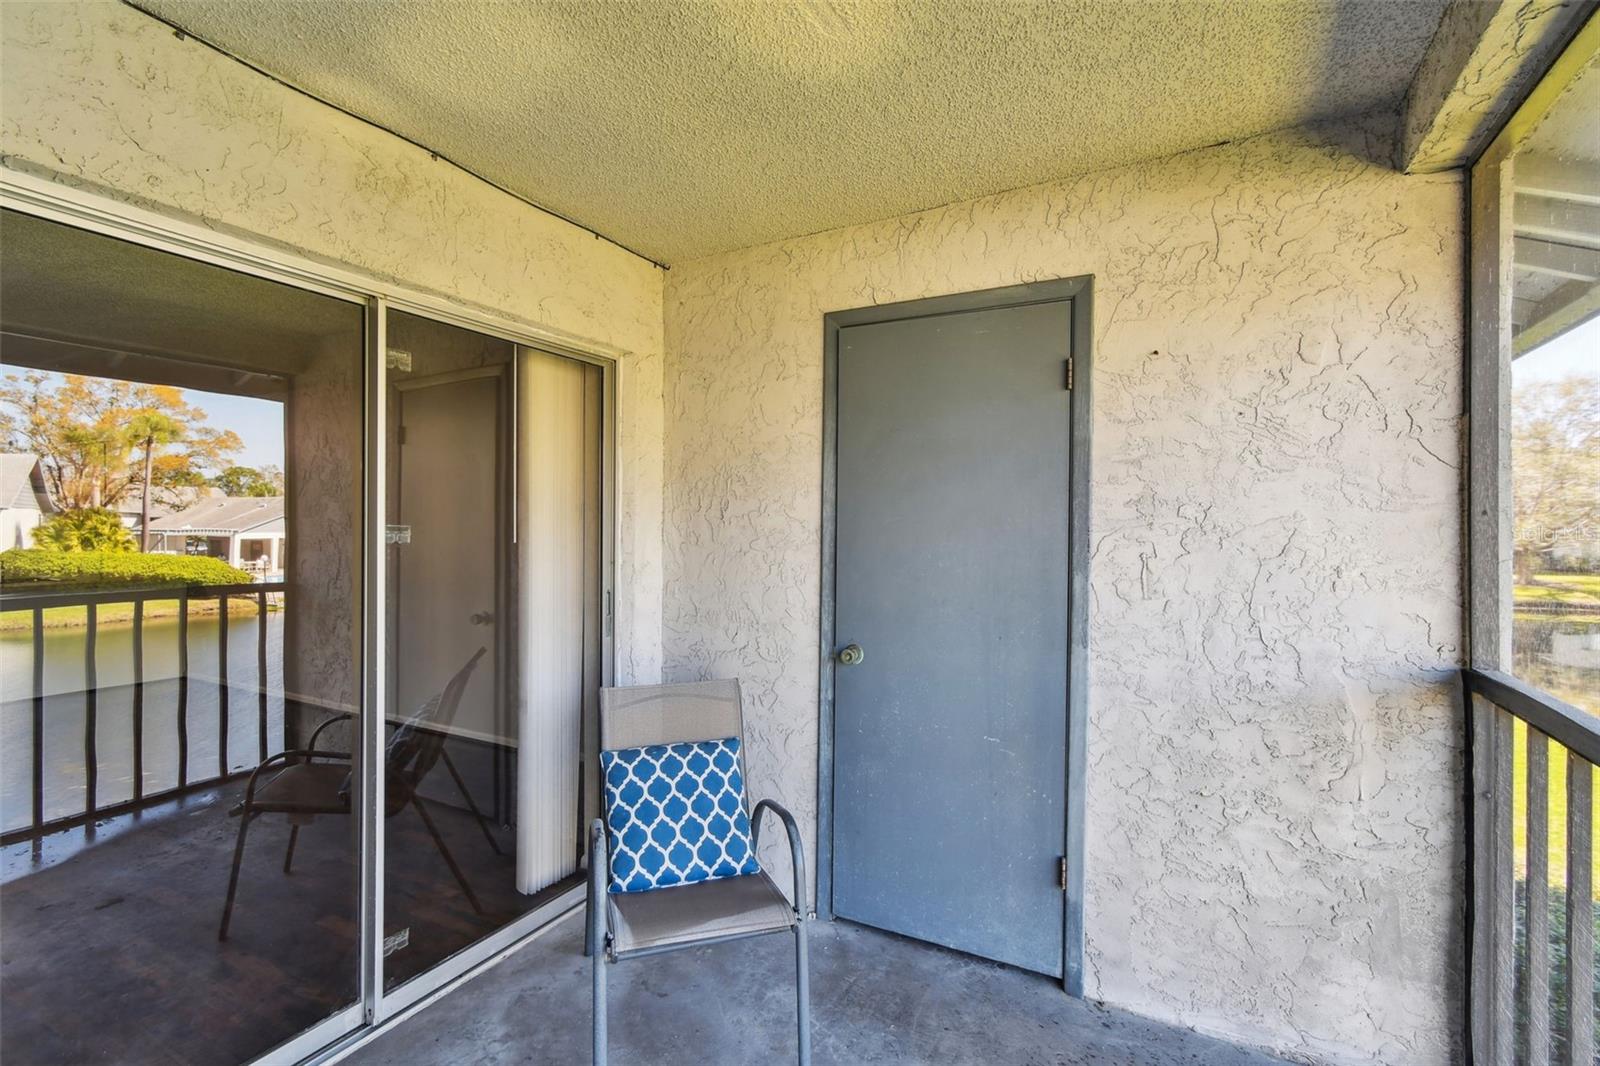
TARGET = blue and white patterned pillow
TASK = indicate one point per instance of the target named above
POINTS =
(676, 814)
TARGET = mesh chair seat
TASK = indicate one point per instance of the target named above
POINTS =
(308, 787)
(730, 906)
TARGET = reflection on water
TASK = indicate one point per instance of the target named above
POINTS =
(64, 672)
(1560, 656)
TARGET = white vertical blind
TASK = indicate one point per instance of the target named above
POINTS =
(552, 500)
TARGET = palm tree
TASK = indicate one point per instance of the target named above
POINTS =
(148, 430)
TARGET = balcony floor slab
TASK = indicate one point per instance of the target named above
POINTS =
(876, 998)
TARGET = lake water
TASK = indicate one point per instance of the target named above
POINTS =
(64, 672)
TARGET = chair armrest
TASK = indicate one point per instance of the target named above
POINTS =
(337, 716)
(797, 851)
(599, 917)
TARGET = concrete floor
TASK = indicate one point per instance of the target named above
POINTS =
(876, 998)
(108, 941)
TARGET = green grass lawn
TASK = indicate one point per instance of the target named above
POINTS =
(1587, 583)
(1557, 811)
(1577, 589)
(117, 613)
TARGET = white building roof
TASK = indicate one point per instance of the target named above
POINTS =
(22, 482)
(225, 516)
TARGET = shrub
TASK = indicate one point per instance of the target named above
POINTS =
(87, 529)
(102, 569)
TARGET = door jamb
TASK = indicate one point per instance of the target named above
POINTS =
(1079, 293)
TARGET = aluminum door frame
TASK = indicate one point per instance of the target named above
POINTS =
(1079, 293)
(374, 1009)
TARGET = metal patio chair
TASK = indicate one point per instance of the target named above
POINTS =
(305, 787)
(632, 924)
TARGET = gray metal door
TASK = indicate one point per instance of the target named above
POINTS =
(951, 575)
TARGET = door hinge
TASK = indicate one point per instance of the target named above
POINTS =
(1061, 873)
(1069, 375)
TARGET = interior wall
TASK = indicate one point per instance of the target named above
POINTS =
(323, 503)
(102, 96)
(1274, 833)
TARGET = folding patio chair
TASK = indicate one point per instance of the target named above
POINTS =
(671, 866)
(311, 781)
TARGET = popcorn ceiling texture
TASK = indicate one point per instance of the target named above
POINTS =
(102, 96)
(1274, 848)
(686, 127)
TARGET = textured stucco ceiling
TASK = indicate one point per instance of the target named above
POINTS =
(684, 128)
(79, 302)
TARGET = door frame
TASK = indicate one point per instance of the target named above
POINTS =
(1078, 292)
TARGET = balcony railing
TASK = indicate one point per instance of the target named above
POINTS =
(1533, 970)
(38, 601)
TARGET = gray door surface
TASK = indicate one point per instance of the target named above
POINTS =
(447, 580)
(448, 594)
(951, 574)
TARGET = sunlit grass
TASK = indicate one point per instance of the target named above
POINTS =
(1557, 816)
(118, 613)
(1574, 590)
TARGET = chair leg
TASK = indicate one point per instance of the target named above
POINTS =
(233, 877)
(288, 856)
(599, 963)
(450, 860)
(802, 980)
(483, 823)
(589, 931)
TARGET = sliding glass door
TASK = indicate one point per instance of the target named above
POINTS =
(180, 625)
(304, 617)
(493, 456)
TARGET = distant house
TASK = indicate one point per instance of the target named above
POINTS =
(246, 531)
(24, 501)
(167, 501)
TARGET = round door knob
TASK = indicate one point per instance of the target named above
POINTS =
(851, 655)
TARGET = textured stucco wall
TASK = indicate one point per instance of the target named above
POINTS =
(102, 96)
(1273, 828)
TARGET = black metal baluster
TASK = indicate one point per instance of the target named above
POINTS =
(222, 684)
(261, 674)
(91, 702)
(138, 699)
(183, 688)
(38, 717)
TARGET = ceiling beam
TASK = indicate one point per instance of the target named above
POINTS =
(1555, 179)
(1565, 309)
(38, 350)
(1483, 59)
(1557, 260)
(1557, 221)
